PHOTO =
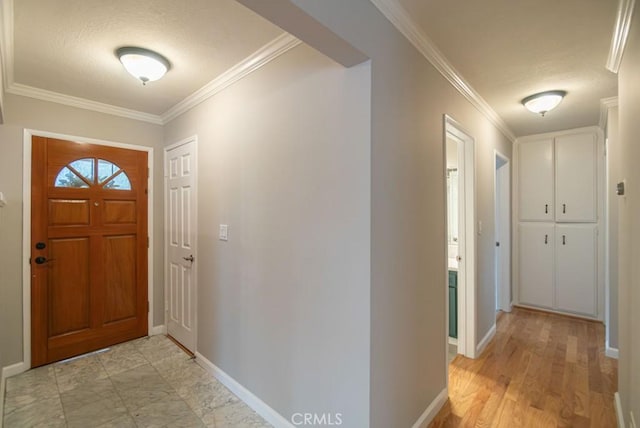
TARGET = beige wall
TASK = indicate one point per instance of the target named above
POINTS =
(409, 98)
(24, 113)
(615, 171)
(284, 160)
(629, 226)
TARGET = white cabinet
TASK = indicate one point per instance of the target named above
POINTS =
(576, 268)
(535, 175)
(559, 203)
(536, 264)
(576, 178)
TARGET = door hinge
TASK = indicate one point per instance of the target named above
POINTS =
(147, 306)
(29, 260)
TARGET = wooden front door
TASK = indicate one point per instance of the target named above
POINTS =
(88, 248)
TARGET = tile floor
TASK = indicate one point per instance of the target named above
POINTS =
(148, 382)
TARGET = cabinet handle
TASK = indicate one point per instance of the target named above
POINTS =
(546, 208)
(546, 239)
(564, 240)
(564, 208)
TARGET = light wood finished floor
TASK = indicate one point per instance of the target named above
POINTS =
(540, 370)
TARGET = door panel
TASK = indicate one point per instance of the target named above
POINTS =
(69, 285)
(88, 249)
(576, 178)
(180, 165)
(536, 264)
(535, 178)
(576, 270)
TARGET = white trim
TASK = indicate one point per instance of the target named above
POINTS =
(157, 330)
(611, 352)
(2, 388)
(430, 412)
(253, 62)
(620, 34)
(26, 227)
(485, 340)
(251, 400)
(554, 134)
(619, 412)
(259, 58)
(193, 139)
(632, 420)
(467, 275)
(452, 340)
(605, 105)
(83, 103)
(14, 369)
(399, 17)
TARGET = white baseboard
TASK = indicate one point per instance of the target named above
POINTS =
(453, 341)
(259, 406)
(632, 422)
(611, 352)
(485, 340)
(619, 412)
(14, 369)
(158, 329)
(427, 416)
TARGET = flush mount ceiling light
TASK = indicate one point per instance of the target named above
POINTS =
(544, 101)
(143, 64)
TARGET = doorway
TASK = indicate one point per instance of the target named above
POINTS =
(180, 172)
(87, 248)
(502, 194)
(461, 242)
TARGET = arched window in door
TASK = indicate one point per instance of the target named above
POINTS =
(89, 172)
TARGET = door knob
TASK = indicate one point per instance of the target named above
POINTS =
(42, 260)
(458, 258)
(189, 259)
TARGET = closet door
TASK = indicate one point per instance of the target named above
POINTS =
(576, 178)
(576, 268)
(536, 260)
(535, 180)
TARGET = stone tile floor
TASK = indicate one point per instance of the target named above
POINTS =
(149, 382)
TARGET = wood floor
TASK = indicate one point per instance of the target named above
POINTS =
(540, 370)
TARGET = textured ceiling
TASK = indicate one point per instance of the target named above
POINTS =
(67, 46)
(509, 49)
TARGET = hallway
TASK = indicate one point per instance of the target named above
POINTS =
(539, 370)
(148, 382)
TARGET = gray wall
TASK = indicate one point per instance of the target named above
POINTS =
(629, 225)
(24, 113)
(409, 98)
(614, 165)
(284, 160)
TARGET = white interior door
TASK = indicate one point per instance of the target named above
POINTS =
(180, 242)
(503, 234)
(536, 260)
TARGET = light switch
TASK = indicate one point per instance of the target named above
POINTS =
(479, 227)
(224, 232)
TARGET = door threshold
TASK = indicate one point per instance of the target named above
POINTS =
(181, 346)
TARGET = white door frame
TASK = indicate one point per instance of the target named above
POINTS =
(501, 178)
(466, 238)
(193, 139)
(26, 232)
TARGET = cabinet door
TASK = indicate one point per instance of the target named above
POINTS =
(576, 178)
(536, 264)
(576, 268)
(535, 180)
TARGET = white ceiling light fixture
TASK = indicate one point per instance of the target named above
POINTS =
(143, 64)
(543, 102)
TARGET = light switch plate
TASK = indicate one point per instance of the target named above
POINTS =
(223, 234)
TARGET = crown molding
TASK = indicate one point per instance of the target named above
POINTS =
(253, 62)
(83, 103)
(620, 34)
(605, 105)
(407, 26)
(259, 58)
